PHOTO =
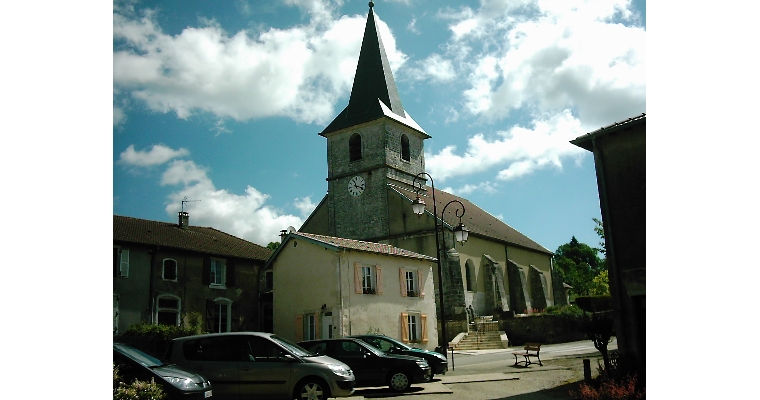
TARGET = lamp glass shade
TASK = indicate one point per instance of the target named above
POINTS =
(461, 233)
(418, 206)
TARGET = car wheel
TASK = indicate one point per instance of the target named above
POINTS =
(312, 390)
(399, 381)
(430, 378)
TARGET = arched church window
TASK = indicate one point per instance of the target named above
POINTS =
(355, 147)
(404, 148)
(469, 275)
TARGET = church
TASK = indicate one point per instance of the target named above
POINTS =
(376, 172)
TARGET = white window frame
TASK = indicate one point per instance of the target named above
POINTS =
(221, 302)
(177, 310)
(213, 273)
(412, 283)
(163, 270)
(414, 326)
(310, 326)
(123, 262)
(368, 279)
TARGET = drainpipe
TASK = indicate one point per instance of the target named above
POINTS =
(150, 282)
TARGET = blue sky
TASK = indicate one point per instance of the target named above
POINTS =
(221, 103)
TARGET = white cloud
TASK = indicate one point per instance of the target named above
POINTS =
(299, 72)
(157, 155)
(435, 68)
(305, 206)
(522, 150)
(550, 55)
(486, 187)
(246, 216)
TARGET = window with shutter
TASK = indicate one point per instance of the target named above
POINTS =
(368, 279)
(124, 263)
(217, 273)
(412, 327)
(404, 327)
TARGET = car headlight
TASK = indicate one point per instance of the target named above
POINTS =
(182, 383)
(341, 370)
(423, 364)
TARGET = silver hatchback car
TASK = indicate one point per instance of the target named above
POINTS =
(261, 365)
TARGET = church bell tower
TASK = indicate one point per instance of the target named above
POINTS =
(372, 144)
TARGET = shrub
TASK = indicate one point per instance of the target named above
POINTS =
(606, 388)
(139, 390)
(594, 303)
(136, 390)
(159, 330)
(571, 311)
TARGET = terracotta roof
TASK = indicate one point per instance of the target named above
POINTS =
(585, 141)
(194, 238)
(369, 247)
(477, 221)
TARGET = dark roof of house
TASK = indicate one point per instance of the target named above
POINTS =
(374, 94)
(369, 247)
(477, 221)
(193, 238)
(586, 141)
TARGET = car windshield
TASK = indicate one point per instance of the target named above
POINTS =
(397, 343)
(292, 347)
(373, 349)
(137, 355)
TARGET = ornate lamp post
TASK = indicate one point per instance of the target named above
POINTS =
(460, 233)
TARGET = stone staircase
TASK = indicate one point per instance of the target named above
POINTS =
(480, 341)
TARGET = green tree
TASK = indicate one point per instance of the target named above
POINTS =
(600, 285)
(273, 245)
(578, 264)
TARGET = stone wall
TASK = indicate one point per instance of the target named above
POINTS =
(545, 329)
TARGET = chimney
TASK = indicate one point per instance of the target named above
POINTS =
(184, 219)
(283, 235)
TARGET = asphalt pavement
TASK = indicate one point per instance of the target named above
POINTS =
(491, 375)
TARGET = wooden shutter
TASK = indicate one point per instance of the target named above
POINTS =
(420, 284)
(206, 279)
(357, 278)
(124, 263)
(405, 327)
(379, 275)
(210, 315)
(230, 273)
(402, 281)
(299, 328)
(317, 328)
(423, 323)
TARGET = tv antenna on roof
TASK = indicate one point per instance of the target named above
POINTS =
(185, 200)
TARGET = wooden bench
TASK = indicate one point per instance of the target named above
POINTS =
(531, 350)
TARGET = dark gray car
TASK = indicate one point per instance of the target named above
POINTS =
(371, 366)
(178, 383)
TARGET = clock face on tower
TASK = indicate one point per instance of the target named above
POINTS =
(356, 186)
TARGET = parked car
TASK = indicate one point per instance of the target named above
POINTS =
(371, 366)
(177, 382)
(261, 366)
(437, 361)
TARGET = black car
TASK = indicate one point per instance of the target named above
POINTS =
(177, 383)
(371, 366)
(437, 361)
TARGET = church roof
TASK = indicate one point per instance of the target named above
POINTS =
(477, 221)
(374, 94)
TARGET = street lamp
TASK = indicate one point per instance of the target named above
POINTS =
(460, 233)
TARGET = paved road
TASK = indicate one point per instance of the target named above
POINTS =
(490, 375)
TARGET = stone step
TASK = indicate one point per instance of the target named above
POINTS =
(482, 341)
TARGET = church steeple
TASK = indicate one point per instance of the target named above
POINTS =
(374, 92)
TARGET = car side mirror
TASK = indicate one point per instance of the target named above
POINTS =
(289, 358)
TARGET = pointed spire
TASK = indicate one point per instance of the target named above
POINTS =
(373, 81)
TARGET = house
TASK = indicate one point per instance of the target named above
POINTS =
(620, 159)
(330, 287)
(376, 169)
(172, 274)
